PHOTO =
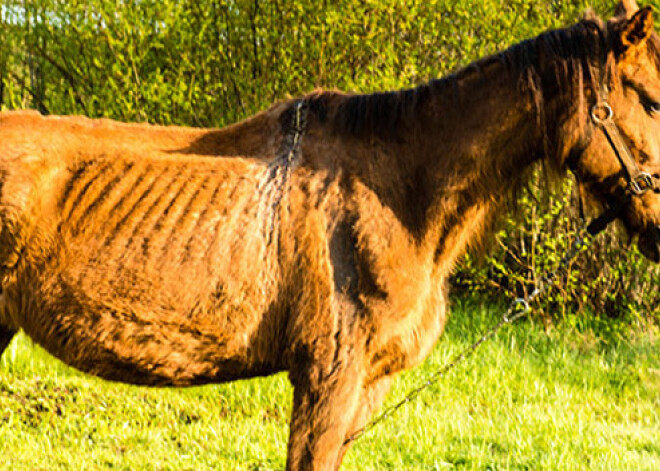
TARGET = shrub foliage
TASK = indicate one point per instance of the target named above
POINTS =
(209, 63)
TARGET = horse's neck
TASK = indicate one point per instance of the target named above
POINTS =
(480, 147)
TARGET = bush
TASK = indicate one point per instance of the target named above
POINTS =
(211, 63)
(609, 279)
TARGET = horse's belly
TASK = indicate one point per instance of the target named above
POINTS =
(154, 341)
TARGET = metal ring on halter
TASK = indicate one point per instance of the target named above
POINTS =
(642, 183)
(602, 106)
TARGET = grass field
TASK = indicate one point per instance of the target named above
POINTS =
(530, 399)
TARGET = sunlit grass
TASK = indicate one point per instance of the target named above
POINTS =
(527, 400)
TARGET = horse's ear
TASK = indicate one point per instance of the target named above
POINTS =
(626, 9)
(637, 30)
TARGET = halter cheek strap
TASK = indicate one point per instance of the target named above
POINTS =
(638, 181)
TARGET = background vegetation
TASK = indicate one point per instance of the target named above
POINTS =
(210, 63)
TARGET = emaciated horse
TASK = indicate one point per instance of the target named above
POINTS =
(323, 245)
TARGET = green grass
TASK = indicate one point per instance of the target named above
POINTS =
(564, 400)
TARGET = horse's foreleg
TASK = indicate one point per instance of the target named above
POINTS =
(371, 399)
(324, 402)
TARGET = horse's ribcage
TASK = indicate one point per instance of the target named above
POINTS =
(165, 224)
(160, 209)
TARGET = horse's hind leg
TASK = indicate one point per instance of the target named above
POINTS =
(6, 334)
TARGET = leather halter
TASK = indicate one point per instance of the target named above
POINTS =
(638, 181)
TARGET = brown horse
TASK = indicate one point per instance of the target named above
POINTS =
(144, 254)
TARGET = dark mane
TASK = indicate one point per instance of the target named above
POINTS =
(387, 114)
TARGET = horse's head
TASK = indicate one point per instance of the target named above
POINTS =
(620, 163)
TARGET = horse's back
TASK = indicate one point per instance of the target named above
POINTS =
(61, 136)
(56, 136)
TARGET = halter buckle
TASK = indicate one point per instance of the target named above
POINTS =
(602, 112)
(642, 183)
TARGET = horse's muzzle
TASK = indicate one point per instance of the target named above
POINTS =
(649, 243)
